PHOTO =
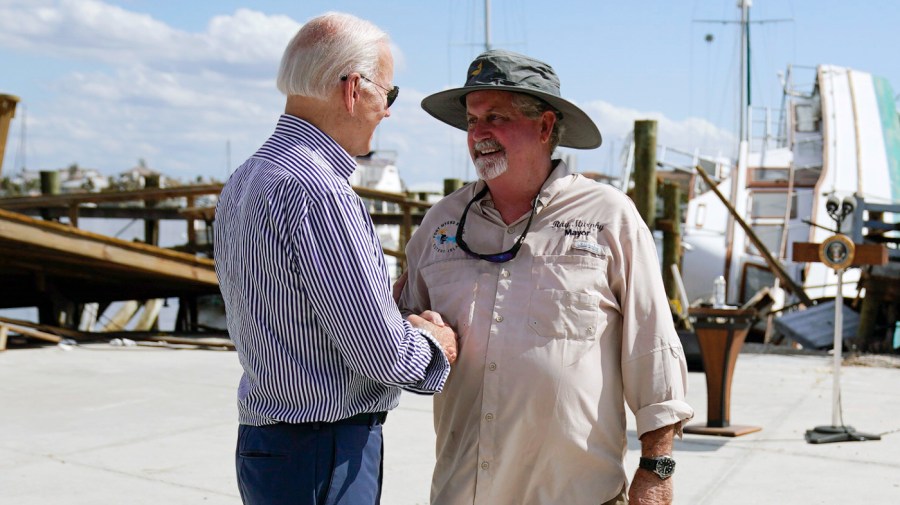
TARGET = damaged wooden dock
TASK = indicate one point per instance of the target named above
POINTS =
(57, 267)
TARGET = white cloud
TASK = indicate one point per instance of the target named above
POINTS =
(95, 31)
(687, 134)
(148, 90)
(175, 98)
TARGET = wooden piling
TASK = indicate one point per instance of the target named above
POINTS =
(50, 185)
(867, 340)
(671, 228)
(451, 185)
(191, 229)
(50, 182)
(645, 169)
(151, 226)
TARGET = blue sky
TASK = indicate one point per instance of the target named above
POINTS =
(105, 83)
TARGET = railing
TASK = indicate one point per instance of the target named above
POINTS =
(408, 218)
(70, 205)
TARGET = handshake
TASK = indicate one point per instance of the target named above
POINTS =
(433, 323)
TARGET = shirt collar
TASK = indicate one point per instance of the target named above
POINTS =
(559, 179)
(311, 136)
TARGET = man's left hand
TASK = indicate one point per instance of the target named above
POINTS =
(648, 489)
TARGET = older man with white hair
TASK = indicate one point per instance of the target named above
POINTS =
(307, 296)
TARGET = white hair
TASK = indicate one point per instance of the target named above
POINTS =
(327, 48)
(532, 108)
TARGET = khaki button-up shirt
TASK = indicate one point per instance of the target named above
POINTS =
(552, 345)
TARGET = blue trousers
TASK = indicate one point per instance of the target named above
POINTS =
(310, 464)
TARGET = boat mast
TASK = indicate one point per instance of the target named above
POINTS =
(745, 67)
(487, 25)
(735, 235)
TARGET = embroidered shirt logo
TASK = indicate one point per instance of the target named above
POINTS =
(577, 228)
(444, 237)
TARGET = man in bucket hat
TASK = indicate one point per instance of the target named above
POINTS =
(552, 282)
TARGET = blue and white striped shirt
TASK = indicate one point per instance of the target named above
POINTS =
(306, 289)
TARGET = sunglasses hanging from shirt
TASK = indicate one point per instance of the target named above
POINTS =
(501, 257)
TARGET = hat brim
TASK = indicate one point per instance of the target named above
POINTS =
(580, 132)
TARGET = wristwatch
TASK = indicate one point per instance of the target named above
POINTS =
(664, 466)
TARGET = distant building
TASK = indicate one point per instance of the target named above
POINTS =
(78, 180)
(136, 177)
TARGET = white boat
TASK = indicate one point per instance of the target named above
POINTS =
(378, 171)
(842, 137)
(837, 135)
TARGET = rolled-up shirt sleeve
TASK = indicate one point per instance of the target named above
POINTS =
(654, 369)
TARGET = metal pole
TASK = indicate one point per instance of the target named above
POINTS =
(744, 73)
(487, 25)
(838, 349)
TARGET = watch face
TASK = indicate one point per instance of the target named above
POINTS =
(662, 466)
(665, 466)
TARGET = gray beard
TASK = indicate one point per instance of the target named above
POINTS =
(491, 168)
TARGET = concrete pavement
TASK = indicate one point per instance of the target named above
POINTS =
(97, 424)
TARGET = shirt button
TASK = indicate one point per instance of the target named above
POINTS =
(492, 366)
(485, 465)
(489, 417)
(590, 329)
(504, 273)
(510, 230)
(499, 319)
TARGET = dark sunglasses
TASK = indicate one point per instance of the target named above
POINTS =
(391, 93)
(504, 256)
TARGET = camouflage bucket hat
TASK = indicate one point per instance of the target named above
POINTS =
(508, 71)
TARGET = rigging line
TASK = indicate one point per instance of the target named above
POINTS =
(749, 65)
(125, 228)
(21, 153)
(690, 76)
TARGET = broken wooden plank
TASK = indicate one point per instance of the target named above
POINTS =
(30, 332)
(199, 341)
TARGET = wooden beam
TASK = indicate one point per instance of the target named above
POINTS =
(390, 197)
(7, 112)
(160, 213)
(31, 332)
(198, 341)
(68, 199)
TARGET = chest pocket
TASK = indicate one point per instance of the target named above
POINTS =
(567, 297)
